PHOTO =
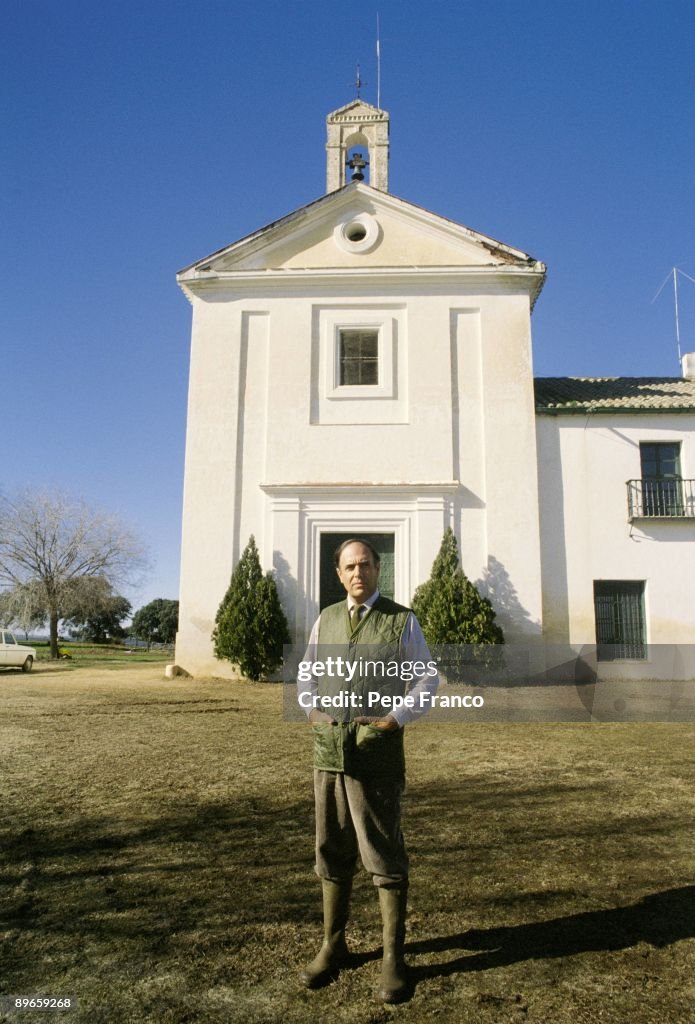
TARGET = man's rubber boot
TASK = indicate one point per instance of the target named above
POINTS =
(334, 952)
(393, 987)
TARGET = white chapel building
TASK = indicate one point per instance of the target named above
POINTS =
(364, 366)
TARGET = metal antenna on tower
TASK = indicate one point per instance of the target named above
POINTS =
(674, 272)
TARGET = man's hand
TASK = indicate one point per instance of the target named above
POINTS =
(387, 723)
(317, 717)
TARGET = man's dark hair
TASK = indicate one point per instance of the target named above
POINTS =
(356, 540)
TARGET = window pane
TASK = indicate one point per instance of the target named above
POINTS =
(669, 461)
(660, 460)
(350, 372)
(369, 371)
(359, 357)
(351, 347)
(649, 466)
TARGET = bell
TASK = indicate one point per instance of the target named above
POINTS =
(357, 165)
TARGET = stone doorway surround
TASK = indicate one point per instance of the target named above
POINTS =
(298, 515)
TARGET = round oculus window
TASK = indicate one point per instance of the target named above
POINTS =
(355, 232)
(358, 234)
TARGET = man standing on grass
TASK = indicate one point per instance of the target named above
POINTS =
(359, 764)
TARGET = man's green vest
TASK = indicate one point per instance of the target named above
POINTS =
(374, 648)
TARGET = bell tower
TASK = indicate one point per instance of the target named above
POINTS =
(360, 127)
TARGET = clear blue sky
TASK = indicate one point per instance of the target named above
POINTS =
(138, 137)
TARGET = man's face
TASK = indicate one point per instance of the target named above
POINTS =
(358, 572)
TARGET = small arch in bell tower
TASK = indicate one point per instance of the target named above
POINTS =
(357, 158)
(357, 148)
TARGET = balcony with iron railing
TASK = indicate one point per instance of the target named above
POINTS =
(661, 499)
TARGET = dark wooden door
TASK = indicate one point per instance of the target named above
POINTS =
(332, 589)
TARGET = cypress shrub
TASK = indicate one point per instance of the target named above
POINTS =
(250, 625)
(453, 612)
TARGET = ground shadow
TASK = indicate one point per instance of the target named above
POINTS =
(659, 919)
(125, 877)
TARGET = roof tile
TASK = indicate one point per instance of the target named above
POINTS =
(614, 394)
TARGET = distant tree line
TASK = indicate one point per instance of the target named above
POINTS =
(154, 623)
(99, 615)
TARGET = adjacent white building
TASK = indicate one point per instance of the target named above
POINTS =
(616, 461)
(364, 366)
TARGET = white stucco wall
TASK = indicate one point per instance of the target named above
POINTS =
(456, 446)
(584, 462)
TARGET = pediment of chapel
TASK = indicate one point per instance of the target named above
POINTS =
(358, 227)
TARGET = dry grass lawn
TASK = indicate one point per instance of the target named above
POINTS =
(156, 862)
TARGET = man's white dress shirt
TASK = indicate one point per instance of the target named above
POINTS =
(413, 648)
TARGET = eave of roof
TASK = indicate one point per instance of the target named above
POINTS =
(556, 396)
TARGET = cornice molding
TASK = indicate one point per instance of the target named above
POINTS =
(529, 279)
(412, 489)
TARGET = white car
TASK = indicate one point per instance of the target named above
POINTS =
(12, 653)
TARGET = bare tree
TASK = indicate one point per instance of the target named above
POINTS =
(21, 606)
(56, 552)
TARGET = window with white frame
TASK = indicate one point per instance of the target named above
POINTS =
(360, 359)
(361, 364)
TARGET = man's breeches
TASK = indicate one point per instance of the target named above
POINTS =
(359, 815)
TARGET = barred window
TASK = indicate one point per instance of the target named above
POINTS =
(619, 608)
(359, 356)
